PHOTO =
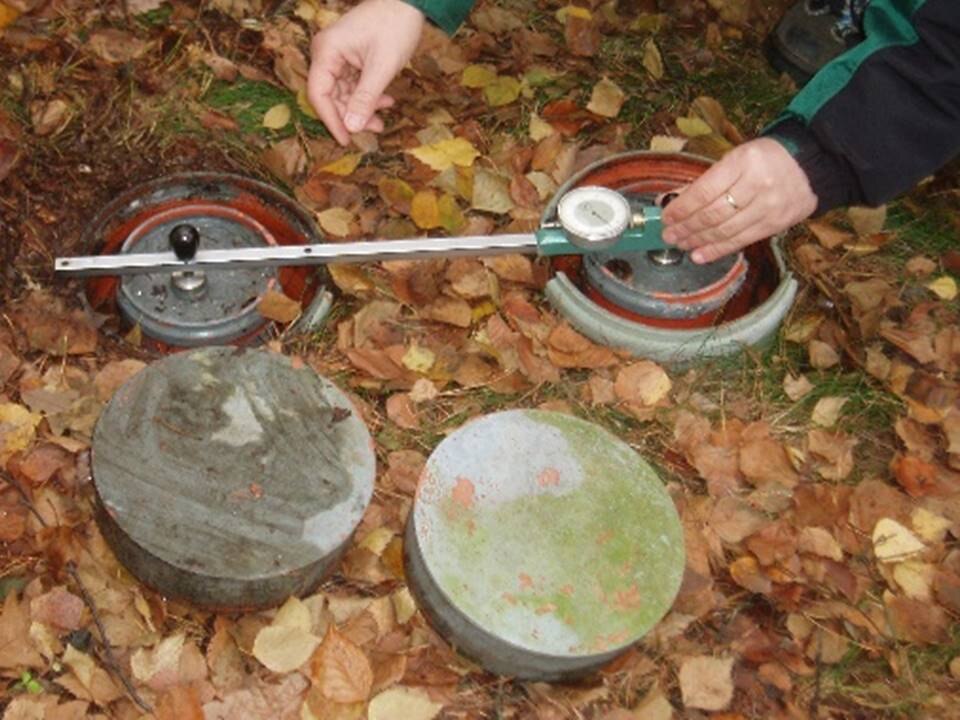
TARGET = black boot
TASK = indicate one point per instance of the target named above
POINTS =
(812, 33)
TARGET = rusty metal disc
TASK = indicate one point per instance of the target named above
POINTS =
(541, 545)
(229, 212)
(230, 478)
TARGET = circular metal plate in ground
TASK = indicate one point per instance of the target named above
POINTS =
(541, 545)
(228, 307)
(230, 478)
(229, 211)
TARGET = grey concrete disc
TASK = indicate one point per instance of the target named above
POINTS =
(541, 545)
(230, 478)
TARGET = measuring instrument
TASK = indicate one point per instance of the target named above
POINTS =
(589, 219)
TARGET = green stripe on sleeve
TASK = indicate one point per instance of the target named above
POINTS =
(446, 14)
(886, 23)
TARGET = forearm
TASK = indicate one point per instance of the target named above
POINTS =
(448, 15)
(884, 115)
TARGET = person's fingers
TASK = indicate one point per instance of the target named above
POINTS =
(716, 213)
(322, 89)
(716, 250)
(735, 224)
(376, 75)
(703, 191)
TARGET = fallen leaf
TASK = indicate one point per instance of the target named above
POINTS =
(446, 154)
(116, 46)
(734, 520)
(892, 542)
(7, 15)
(746, 573)
(920, 266)
(796, 387)
(827, 235)
(653, 706)
(827, 410)
(502, 91)
(58, 608)
(477, 76)
(944, 287)
(929, 526)
(642, 383)
(424, 210)
(16, 649)
(343, 166)
(917, 621)
(822, 355)
(287, 643)
(606, 98)
(402, 412)
(540, 128)
(341, 670)
(693, 127)
(819, 541)
(667, 143)
(652, 60)
(337, 221)
(706, 683)
(277, 117)
(17, 429)
(399, 702)
(279, 307)
(867, 220)
(581, 33)
(915, 579)
(491, 192)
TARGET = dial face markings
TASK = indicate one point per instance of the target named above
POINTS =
(594, 214)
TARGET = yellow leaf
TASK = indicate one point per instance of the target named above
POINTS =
(7, 15)
(344, 165)
(451, 216)
(540, 128)
(502, 91)
(491, 193)
(376, 540)
(424, 210)
(573, 11)
(418, 359)
(403, 605)
(350, 278)
(652, 60)
(396, 193)
(446, 153)
(944, 287)
(642, 383)
(277, 117)
(667, 143)
(403, 702)
(867, 220)
(336, 221)
(17, 429)
(303, 102)
(282, 648)
(693, 126)
(483, 309)
(929, 526)
(606, 99)
(477, 76)
(274, 305)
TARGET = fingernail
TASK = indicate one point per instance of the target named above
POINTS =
(354, 122)
(670, 236)
(697, 257)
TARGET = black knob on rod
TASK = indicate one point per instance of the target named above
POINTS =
(184, 241)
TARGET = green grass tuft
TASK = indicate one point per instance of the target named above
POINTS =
(247, 101)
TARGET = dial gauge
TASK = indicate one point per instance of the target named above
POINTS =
(594, 216)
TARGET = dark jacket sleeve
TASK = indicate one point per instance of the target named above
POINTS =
(885, 114)
(447, 14)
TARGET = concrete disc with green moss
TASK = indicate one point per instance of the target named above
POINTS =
(542, 545)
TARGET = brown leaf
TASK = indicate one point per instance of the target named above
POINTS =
(341, 670)
(376, 363)
(829, 236)
(569, 349)
(835, 450)
(449, 310)
(920, 477)
(913, 342)
(513, 268)
(279, 307)
(401, 410)
(582, 35)
(114, 374)
(706, 683)
(116, 46)
(747, 574)
(180, 703)
(58, 608)
(917, 621)
(52, 328)
(764, 461)
(642, 383)
(822, 355)
(396, 193)
(733, 519)
(16, 649)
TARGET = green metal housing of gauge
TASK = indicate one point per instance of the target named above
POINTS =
(594, 218)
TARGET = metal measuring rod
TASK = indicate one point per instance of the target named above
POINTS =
(589, 219)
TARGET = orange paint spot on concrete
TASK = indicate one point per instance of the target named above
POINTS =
(509, 598)
(296, 362)
(549, 477)
(567, 590)
(526, 581)
(627, 600)
(464, 493)
(604, 537)
(545, 609)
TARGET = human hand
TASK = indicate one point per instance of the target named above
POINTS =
(755, 191)
(354, 60)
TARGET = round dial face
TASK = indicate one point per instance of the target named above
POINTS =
(594, 214)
